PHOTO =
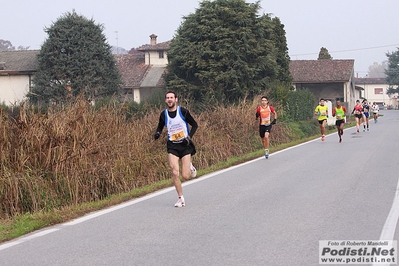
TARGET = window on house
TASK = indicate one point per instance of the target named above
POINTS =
(378, 91)
(160, 54)
(341, 99)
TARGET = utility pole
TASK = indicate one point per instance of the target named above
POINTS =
(117, 46)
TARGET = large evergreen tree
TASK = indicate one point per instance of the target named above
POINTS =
(282, 57)
(393, 72)
(74, 59)
(225, 51)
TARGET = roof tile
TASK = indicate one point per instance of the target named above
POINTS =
(321, 71)
(21, 60)
(155, 47)
(370, 81)
(132, 68)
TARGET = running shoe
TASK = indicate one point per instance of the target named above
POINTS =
(368, 129)
(193, 171)
(266, 153)
(180, 203)
(340, 140)
(323, 137)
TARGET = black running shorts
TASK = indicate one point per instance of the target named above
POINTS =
(339, 122)
(263, 129)
(180, 149)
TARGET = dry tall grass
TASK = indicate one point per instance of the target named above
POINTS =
(79, 154)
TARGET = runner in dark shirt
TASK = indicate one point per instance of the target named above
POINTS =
(179, 145)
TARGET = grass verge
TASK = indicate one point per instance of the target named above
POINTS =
(26, 223)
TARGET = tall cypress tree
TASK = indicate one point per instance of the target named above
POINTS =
(74, 59)
(324, 54)
(282, 57)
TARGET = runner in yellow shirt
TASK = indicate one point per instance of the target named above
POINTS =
(321, 112)
(339, 113)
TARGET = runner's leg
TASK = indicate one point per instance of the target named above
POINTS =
(185, 166)
(174, 164)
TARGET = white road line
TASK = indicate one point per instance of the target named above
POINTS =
(387, 232)
(26, 238)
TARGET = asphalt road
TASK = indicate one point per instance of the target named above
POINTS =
(264, 212)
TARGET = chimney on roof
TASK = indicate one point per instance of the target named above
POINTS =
(153, 39)
(2, 65)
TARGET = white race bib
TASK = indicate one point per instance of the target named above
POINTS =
(265, 121)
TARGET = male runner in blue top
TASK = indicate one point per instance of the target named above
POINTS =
(179, 144)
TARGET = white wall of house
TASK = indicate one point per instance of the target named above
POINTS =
(136, 95)
(13, 88)
(378, 93)
(351, 94)
(330, 118)
(154, 58)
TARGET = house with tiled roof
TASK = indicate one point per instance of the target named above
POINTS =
(326, 78)
(16, 72)
(155, 53)
(375, 90)
(142, 72)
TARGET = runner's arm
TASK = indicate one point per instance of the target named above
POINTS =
(274, 112)
(161, 123)
(257, 114)
(316, 111)
(191, 121)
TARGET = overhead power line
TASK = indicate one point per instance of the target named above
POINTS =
(350, 50)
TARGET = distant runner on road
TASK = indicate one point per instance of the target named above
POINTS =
(375, 109)
(339, 113)
(357, 111)
(321, 112)
(366, 115)
(263, 112)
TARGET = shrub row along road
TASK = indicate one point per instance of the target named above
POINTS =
(264, 212)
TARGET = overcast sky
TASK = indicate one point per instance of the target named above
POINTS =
(363, 30)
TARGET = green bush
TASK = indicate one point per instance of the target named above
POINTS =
(299, 105)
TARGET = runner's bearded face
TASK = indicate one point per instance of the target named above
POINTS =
(170, 100)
